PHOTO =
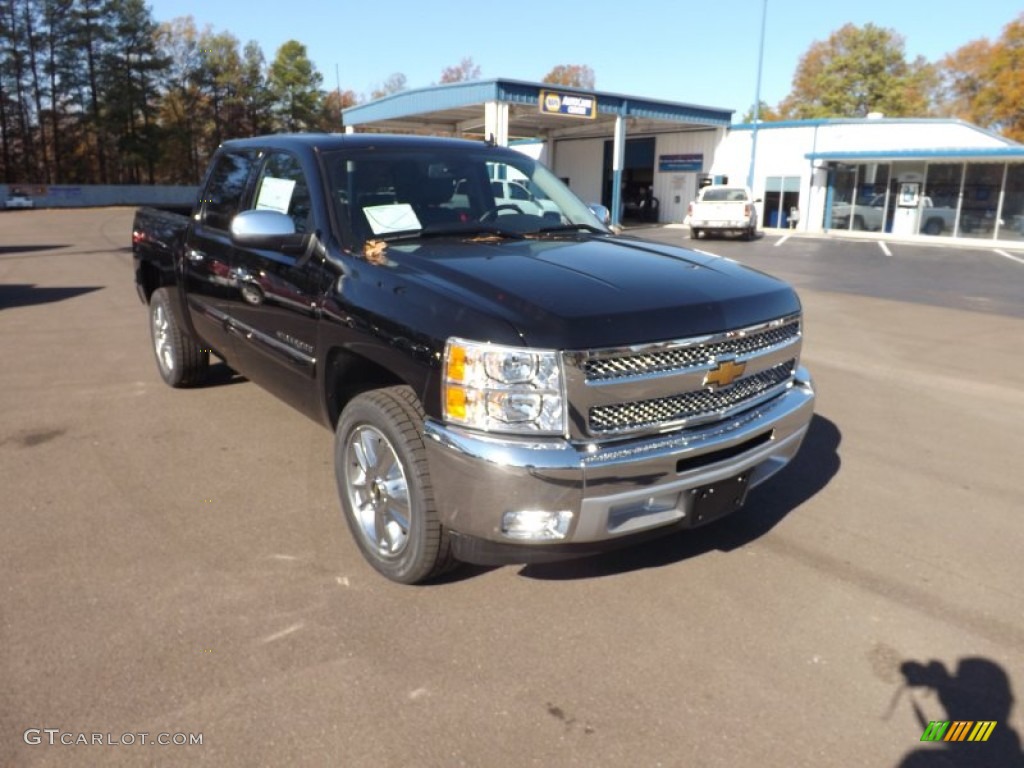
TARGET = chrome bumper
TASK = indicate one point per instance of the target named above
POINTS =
(612, 490)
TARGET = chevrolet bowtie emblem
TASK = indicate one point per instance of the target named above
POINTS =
(724, 374)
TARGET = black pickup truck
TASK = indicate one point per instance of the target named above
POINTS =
(505, 383)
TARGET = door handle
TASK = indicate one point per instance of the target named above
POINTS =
(194, 256)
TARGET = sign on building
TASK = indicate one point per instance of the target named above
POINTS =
(569, 104)
(692, 162)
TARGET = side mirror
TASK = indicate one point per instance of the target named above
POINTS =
(271, 230)
(602, 213)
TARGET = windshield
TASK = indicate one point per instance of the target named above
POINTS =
(389, 194)
(724, 195)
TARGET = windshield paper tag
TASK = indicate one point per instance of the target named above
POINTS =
(399, 217)
(275, 194)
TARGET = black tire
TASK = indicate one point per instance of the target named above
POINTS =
(933, 227)
(858, 223)
(694, 233)
(379, 455)
(179, 358)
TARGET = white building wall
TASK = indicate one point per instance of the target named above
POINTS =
(582, 162)
(782, 151)
(675, 189)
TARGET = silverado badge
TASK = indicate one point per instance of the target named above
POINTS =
(723, 374)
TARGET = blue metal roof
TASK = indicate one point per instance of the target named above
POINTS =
(460, 95)
(432, 99)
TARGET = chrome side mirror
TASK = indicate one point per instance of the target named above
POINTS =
(602, 213)
(271, 230)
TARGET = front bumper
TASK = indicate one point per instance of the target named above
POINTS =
(615, 491)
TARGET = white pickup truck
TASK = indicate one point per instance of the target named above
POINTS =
(871, 216)
(723, 210)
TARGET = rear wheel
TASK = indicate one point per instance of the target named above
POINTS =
(694, 233)
(933, 227)
(384, 485)
(181, 361)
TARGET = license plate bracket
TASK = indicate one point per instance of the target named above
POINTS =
(716, 500)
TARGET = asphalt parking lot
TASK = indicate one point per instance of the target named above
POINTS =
(175, 562)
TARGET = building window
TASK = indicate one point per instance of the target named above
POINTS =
(938, 206)
(861, 198)
(1012, 218)
(980, 205)
(781, 194)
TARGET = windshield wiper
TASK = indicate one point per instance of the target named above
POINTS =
(573, 228)
(392, 237)
(469, 229)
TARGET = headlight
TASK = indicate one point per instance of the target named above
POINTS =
(503, 389)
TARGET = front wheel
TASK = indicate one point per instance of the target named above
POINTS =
(384, 485)
(181, 361)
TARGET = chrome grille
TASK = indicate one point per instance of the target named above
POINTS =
(605, 419)
(691, 356)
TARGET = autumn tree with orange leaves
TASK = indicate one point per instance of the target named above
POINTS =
(983, 82)
(578, 75)
(462, 72)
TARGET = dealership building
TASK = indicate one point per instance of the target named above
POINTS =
(923, 178)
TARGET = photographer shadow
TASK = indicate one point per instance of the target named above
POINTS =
(979, 691)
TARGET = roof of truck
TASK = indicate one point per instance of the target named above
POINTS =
(328, 141)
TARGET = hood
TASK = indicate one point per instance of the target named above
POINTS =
(591, 292)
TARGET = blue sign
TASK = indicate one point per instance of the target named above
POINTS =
(694, 162)
(569, 104)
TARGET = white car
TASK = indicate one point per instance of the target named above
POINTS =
(515, 193)
(19, 201)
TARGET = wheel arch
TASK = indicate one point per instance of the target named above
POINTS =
(149, 278)
(348, 374)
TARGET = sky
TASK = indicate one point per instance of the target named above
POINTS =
(703, 53)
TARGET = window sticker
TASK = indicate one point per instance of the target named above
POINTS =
(399, 217)
(275, 194)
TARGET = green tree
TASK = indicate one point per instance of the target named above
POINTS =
(180, 105)
(92, 36)
(255, 96)
(578, 75)
(59, 69)
(765, 113)
(221, 80)
(983, 82)
(294, 85)
(856, 71)
(131, 71)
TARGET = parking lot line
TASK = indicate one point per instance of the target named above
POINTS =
(885, 248)
(783, 239)
(1009, 256)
